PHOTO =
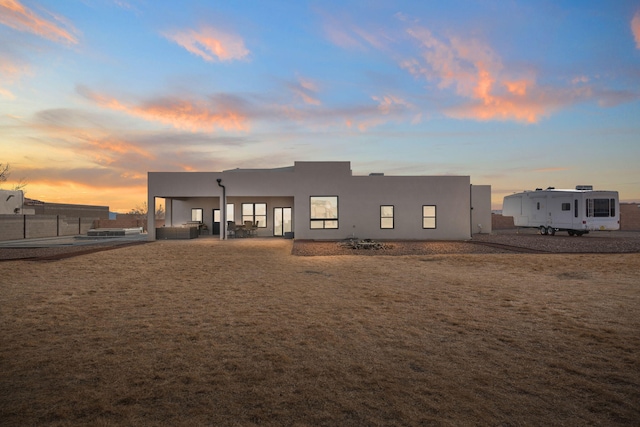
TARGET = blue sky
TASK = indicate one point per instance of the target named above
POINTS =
(516, 94)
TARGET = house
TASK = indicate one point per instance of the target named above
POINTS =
(322, 201)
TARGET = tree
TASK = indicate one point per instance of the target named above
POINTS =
(140, 210)
(160, 212)
(5, 171)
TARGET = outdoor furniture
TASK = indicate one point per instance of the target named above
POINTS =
(231, 229)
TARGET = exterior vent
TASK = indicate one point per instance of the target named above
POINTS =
(584, 187)
(376, 174)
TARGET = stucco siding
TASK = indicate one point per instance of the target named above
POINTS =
(359, 199)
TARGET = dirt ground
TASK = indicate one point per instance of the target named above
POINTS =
(242, 333)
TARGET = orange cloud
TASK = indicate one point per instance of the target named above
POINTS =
(210, 44)
(476, 73)
(13, 14)
(635, 28)
(102, 150)
(179, 113)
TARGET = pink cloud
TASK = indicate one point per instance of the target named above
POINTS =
(10, 71)
(345, 34)
(210, 44)
(191, 115)
(635, 28)
(13, 14)
(476, 73)
(306, 90)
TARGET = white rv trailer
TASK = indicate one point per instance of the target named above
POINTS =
(575, 211)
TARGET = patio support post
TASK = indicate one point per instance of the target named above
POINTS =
(223, 211)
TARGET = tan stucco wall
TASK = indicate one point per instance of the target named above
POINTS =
(359, 197)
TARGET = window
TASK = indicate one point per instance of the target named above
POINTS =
(255, 212)
(323, 212)
(538, 206)
(575, 208)
(231, 212)
(566, 206)
(601, 208)
(386, 216)
(196, 214)
(428, 216)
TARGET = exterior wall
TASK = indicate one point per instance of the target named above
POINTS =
(481, 218)
(11, 202)
(16, 227)
(630, 216)
(11, 227)
(499, 222)
(85, 211)
(359, 200)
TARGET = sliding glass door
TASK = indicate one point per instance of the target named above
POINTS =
(282, 221)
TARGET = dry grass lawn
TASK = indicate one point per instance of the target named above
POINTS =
(241, 333)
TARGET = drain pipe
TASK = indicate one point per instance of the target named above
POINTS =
(223, 211)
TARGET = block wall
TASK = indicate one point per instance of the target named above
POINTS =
(11, 227)
(630, 216)
(16, 227)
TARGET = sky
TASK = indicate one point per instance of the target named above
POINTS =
(515, 94)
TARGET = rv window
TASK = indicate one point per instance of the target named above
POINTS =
(575, 208)
(566, 206)
(600, 208)
(613, 207)
(538, 205)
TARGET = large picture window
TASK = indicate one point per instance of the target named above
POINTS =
(255, 212)
(428, 216)
(324, 212)
(386, 216)
(602, 208)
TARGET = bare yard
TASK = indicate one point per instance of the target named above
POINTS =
(204, 332)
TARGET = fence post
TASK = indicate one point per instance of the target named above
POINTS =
(24, 226)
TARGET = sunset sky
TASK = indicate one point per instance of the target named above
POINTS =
(516, 94)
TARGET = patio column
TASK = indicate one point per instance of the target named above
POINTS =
(223, 211)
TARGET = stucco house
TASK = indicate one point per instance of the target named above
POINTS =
(322, 201)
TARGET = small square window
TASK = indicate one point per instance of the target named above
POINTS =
(428, 216)
(386, 216)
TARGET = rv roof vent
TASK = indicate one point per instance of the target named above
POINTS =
(551, 188)
(584, 187)
(376, 174)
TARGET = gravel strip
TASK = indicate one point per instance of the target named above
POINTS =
(504, 241)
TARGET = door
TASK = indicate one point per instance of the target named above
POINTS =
(216, 222)
(282, 221)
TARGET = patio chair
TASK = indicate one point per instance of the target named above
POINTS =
(249, 228)
(231, 229)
